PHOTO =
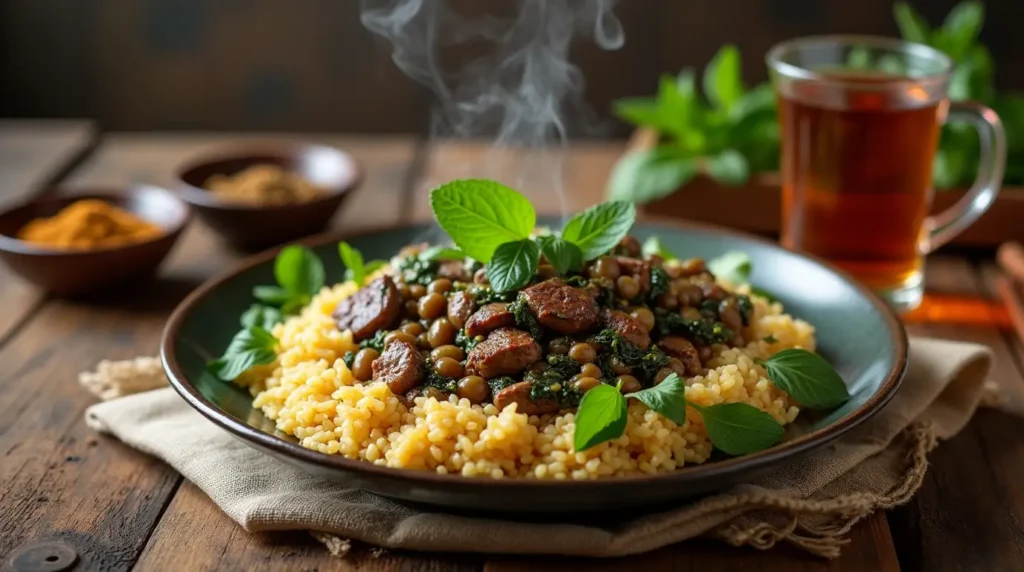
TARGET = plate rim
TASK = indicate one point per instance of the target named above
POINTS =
(746, 463)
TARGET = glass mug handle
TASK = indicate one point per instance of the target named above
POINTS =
(991, 164)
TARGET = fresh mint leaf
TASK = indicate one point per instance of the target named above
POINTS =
(806, 377)
(728, 167)
(648, 175)
(960, 29)
(912, 26)
(667, 398)
(272, 295)
(563, 255)
(375, 265)
(299, 270)
(250, 347)
(479, 215)
(859, 58)
(734, 266)
(232, 366)
(723, 82)
(644, 112)
(599, 228)
(513, 265)
(253, 337)
(654, 246)
(355, 270)
(262, 316)
(600, 417)
(739, 428)
(439, 253)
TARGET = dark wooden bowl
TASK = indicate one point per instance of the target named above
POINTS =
(254, 227)
(82, 272)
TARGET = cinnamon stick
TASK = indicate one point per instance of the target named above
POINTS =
(1010, 296)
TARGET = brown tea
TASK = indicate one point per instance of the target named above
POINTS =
(857, 174)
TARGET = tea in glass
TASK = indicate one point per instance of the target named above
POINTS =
(857, 152)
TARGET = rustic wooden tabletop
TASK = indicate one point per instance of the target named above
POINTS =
(118, 509)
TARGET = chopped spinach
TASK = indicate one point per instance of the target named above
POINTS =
(563, 364)
(643, 363)
(710, 309)
(465, 342)
(376, 342)
(746, 308)
(445, 384)
(499, 383)
(349, 358)
(578, 281)
(552, 385)
(524, 319)
(485, 295)
(659, 283)
(703, 331)
(417, 270)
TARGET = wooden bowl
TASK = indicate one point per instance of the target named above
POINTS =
(81, 272)
(249, 227)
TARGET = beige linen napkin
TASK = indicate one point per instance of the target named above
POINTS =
(811, 502)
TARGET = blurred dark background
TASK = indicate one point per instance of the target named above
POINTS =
(309, 65)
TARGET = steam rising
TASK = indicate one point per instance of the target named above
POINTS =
(523, 91)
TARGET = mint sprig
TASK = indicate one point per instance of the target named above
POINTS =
(299, 274)
(355, 268)
(479, 215)
(513, 265)
(806, 377)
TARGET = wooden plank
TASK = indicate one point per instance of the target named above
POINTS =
(31, 151)
(126, 158)
(556, 180)
(215, 542)
(57, 479)
(968, 513)
(33, 154)
(870, 548)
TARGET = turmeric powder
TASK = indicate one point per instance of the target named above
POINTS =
(89, 224)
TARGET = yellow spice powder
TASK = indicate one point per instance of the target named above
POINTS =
(263, 185)
(89, 224)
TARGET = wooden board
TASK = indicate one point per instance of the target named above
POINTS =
(33, 154)
(61, 481)
(973, 488)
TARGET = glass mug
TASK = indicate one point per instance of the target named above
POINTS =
(860, 119)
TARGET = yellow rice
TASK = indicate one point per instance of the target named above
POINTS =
(310, 394)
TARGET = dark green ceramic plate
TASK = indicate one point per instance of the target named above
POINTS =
(855, 332)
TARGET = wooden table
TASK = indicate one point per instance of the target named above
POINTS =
(120, 509)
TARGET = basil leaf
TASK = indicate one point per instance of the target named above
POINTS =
(437, 253)
(649, 175)
(375, 265)
(599, 228)
(654, 246)
(262, 316)
(723, 84)
(513, 265)
(253, 337)
(479, 215)
(561, 254)
(806, 377)
(353, 260)
(667, 398)
(729, 167)
(738, 428)
(273, 295)
(912, 26)
(734, 266)
(230, 367)
(600, 417)
(299, 271)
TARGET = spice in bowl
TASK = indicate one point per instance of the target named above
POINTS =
(89, 224)
(263, 185)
